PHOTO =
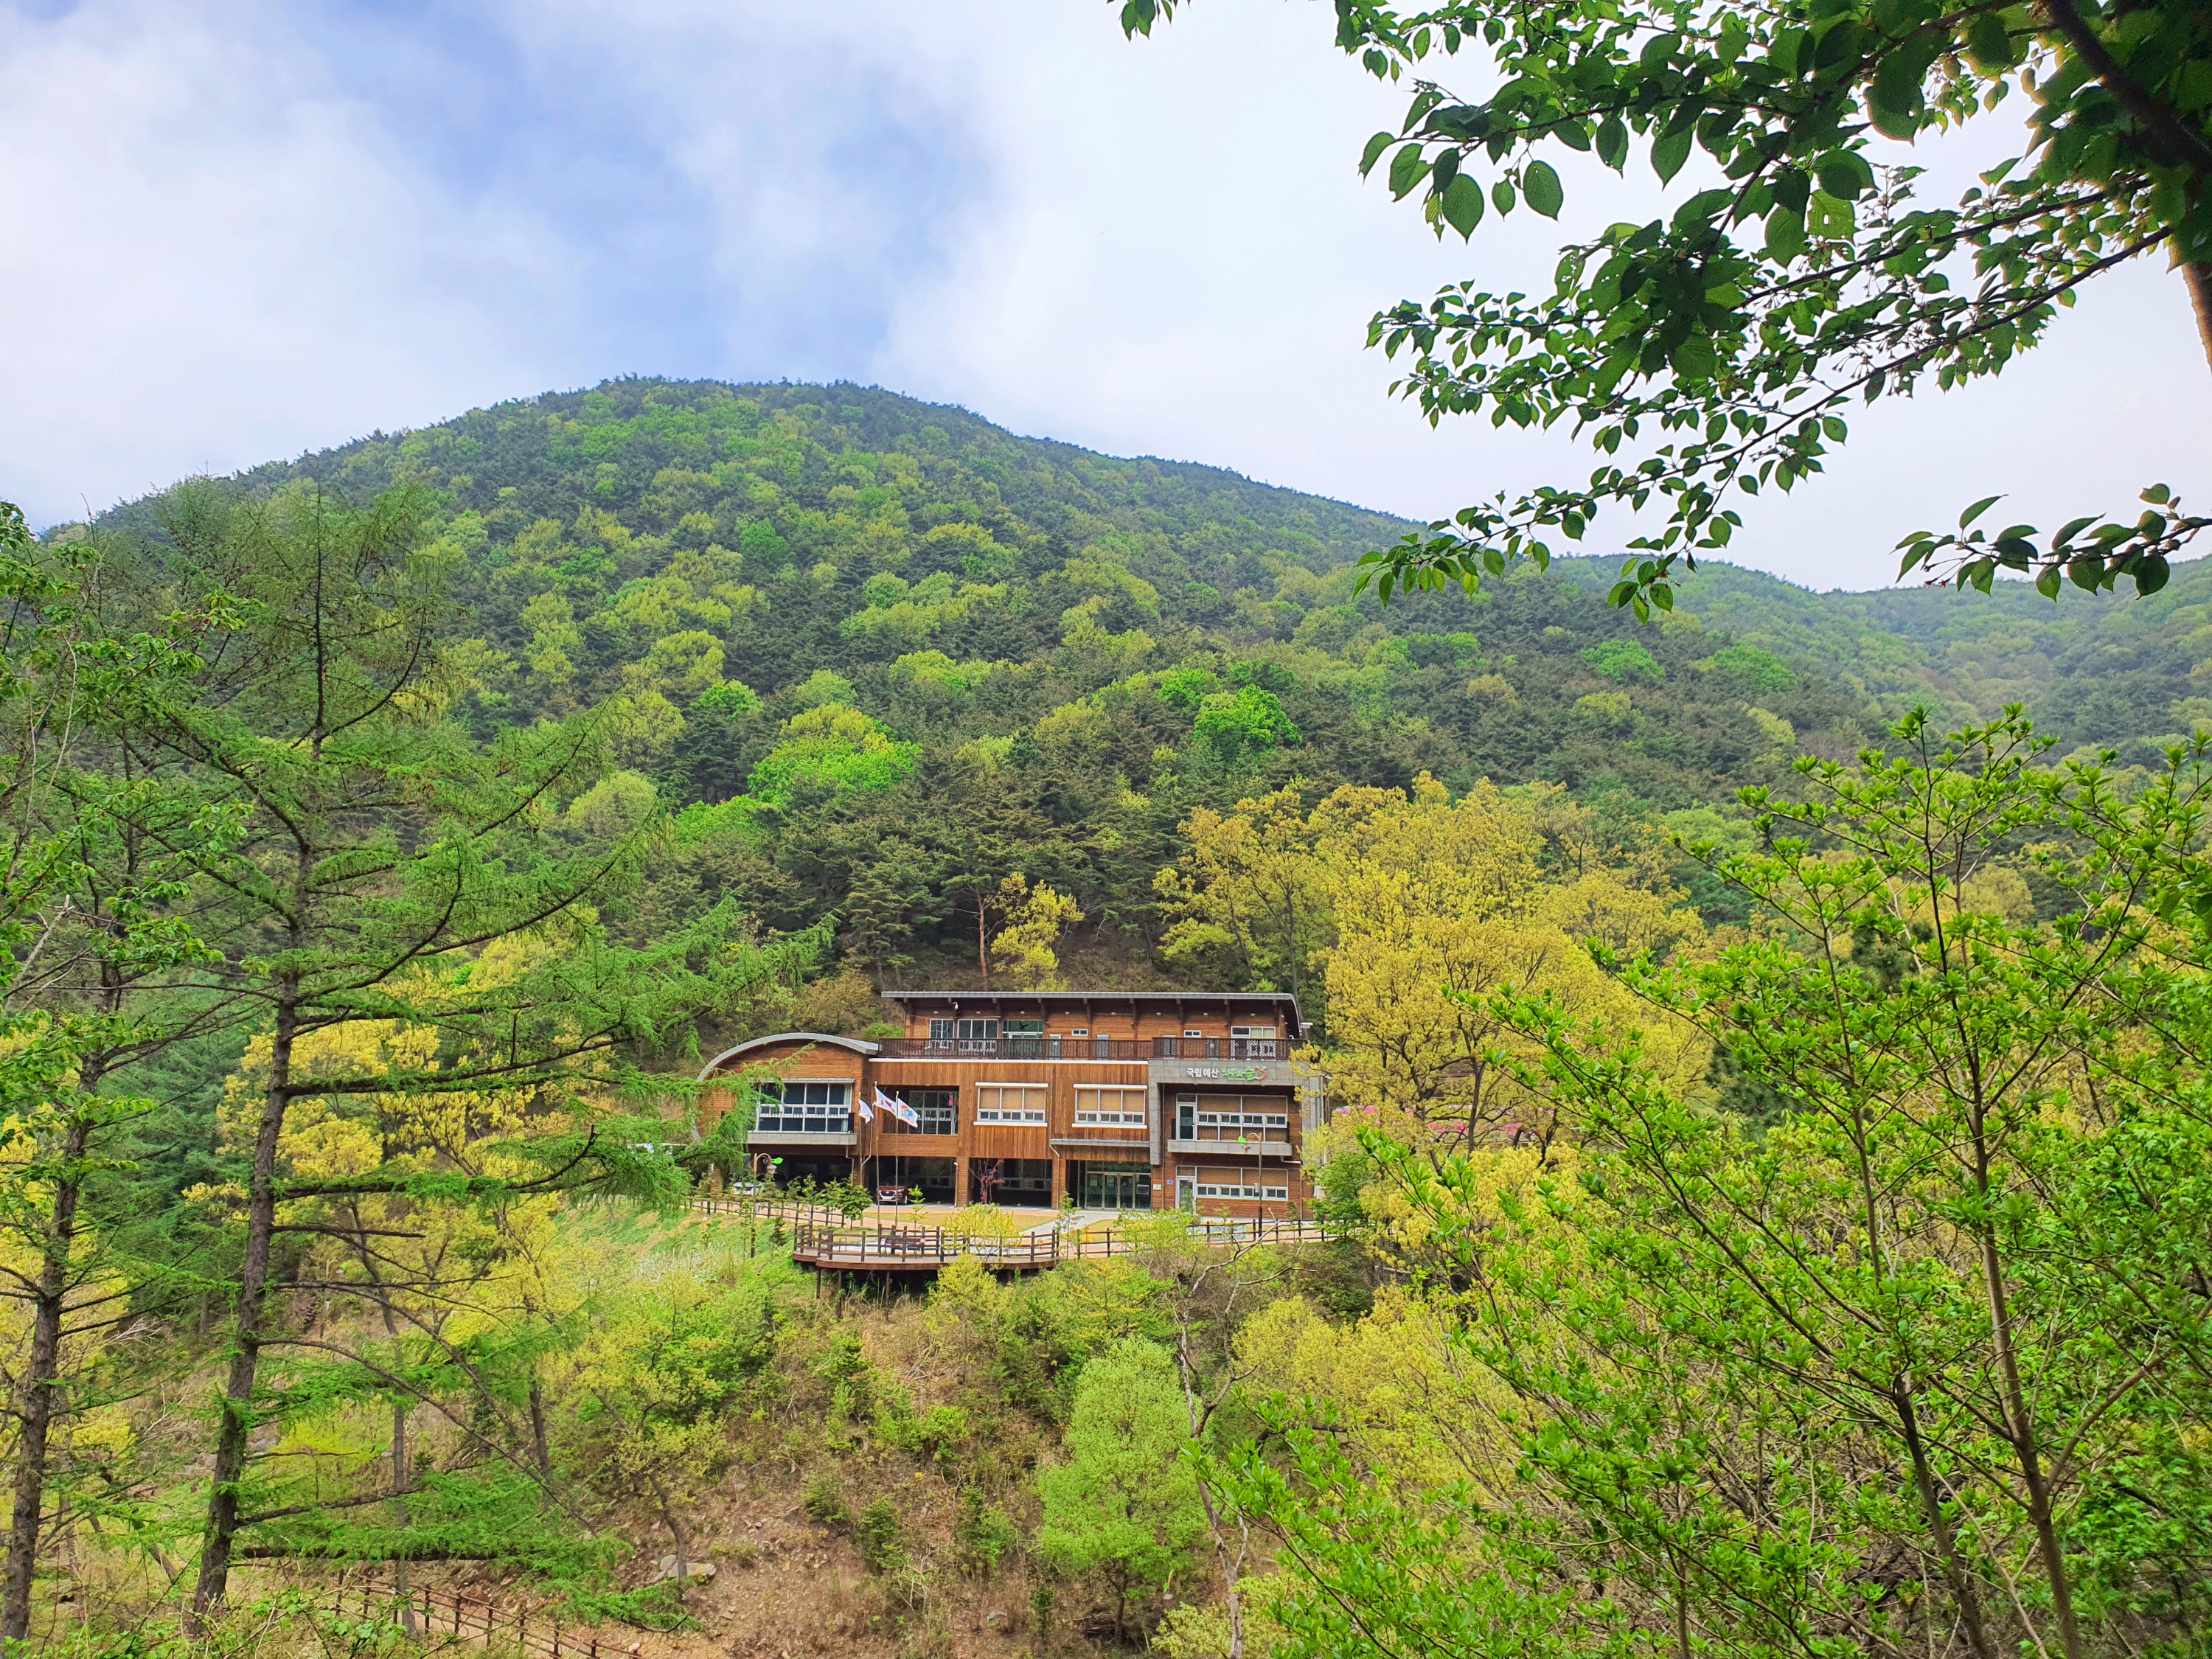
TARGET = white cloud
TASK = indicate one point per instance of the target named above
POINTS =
(215, 256)
(242, 230)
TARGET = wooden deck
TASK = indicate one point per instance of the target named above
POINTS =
(888, 1247)
(894, 1243)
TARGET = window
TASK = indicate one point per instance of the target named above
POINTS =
(938, 1109)
(1009, 1102)
(1240, 1187)
(1225, 1186)
(968, 1036)
(1193, 1034)
(1252, 1123)
(805, 1108)
(1122, 1108)
(1254, 1042)
(1229, 1117)
(1080, 1031)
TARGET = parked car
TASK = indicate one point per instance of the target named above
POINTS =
(888, 1194)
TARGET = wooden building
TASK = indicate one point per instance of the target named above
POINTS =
(1116, 1100)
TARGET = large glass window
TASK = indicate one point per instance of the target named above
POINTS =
(1010, 1103)
(1229, 1117)
(1109, 1107)
(792, 1107)
(974, 1036)
(938, 1109)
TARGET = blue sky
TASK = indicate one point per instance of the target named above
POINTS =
(240, 230)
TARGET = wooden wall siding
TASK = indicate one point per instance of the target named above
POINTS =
(1205, 1014)
(1009, 1140)
(877, 1144)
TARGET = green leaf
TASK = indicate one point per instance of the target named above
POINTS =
(1669, 154)
(1501, 195)
(1695, 359)
(1462, 204)
(1613, 142)
(1895, 102)
(1844, 174)
(2046, 582)
(1785, 234)
(1408, 170)
(1989, 47)
(1540, 184)
(1827, 217)
(1373, 153)
(1977, 509)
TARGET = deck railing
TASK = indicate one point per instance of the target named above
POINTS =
(892, 1244)
(1049, 1046)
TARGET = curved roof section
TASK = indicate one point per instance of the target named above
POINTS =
(853, 1044)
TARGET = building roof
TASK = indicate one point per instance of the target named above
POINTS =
(1091, 999)
(854, 1044)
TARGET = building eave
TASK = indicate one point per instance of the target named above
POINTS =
(852, 1045)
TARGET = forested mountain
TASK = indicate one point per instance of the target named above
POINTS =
(393, 830)
(885, 653)
(878, 656)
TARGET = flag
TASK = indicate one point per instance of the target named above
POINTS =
(898, 1109)
(867, 1112)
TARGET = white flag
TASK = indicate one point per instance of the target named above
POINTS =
(867, 1112)
(898, 1109)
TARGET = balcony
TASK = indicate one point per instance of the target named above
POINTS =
(1221, 1048)
(1051, 1047)
(1251, 1140)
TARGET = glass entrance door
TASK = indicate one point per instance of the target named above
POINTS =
(1117, 1187)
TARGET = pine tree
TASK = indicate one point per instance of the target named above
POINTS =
(382, 852)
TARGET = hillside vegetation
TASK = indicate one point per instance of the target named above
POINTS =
(1764, 1189)
(885, 653)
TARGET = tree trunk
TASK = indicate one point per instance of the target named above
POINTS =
(537, 1448)
(399, 1505)
(1947, 1544)
(2199, 278)
(2027, 1449)
(675, 1531)
(237, 1420)
(41, 1382)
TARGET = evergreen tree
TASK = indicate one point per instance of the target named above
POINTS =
(382, 852)
(1124, 1508)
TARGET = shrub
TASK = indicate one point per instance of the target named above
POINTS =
(877, 1537)
(984, 1534)
(825, 1503)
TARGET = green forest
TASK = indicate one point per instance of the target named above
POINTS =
(1753, 1187)
(809, 611)
(1763, 1206)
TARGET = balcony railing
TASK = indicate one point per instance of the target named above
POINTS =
(1052, 1047)
(1273, 1141)
(1221, 1048)
(1028, 1047)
